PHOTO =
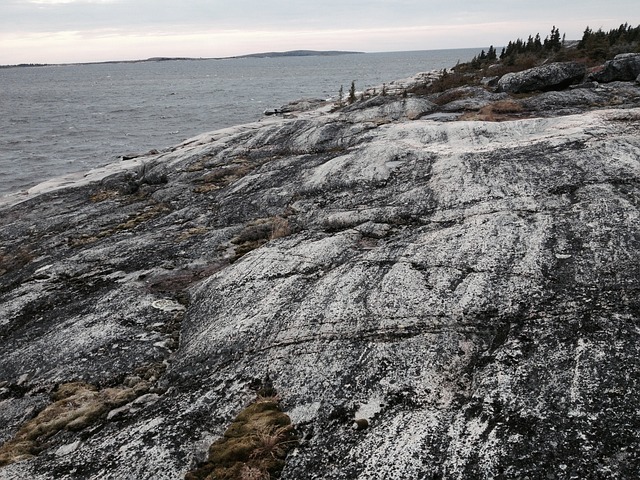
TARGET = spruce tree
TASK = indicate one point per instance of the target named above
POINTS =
(491, 54)
(352, 92)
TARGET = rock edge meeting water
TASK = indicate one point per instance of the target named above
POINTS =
(62, 119)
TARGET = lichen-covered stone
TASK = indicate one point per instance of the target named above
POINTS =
(470, 289)
(624, 67)
(554, 76)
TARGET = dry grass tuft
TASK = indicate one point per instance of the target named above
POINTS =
(15, 260)
(279, 228)
(257, 233)
(148, 213)
(185, 235)
(76, 406)
(251, 473)
(497, 112)
(272, 442)
(220, 177)
(102, 195)
(254, 446)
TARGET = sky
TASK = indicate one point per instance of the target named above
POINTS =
(70, 31)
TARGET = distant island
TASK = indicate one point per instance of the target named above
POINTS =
(291, 53)
(297, 53)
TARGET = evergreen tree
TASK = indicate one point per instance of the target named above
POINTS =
(491, 54)
(352, 92)
(537, 43)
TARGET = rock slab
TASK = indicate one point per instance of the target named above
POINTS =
(469, 289)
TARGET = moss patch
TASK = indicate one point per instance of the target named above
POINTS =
(254, 446)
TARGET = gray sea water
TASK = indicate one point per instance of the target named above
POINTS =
(62, 119)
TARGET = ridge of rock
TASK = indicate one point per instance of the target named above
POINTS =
(466, 292)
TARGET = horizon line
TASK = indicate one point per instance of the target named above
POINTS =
(271, 54)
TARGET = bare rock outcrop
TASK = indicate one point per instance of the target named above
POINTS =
(386, 108)
(430, 300)
(554, 76)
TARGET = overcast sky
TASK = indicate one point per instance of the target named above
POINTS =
(62, 31)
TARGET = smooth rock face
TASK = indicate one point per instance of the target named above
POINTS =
(469, 289)
(555, 76)
(388, 108)
(624, 68)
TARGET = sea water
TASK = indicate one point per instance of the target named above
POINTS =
(56, 120)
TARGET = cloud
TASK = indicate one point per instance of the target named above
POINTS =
(66, 2)
(221, 27)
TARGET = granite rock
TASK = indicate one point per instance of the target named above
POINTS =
(467, 290)
(553, 76)
(624, 67)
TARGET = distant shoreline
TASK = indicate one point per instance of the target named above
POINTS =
(291, 53)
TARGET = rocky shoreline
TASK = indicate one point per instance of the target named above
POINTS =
(439, 286)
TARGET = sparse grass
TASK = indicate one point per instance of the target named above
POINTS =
(185, 235)
(76, 406)
(259, 232)
(251, 473)
(496, 112)
(102, 195)
(279, 228)
(451, 95)
(15, 260)
(220, 177)
(148, 213)
(195, 167)
(254, 447)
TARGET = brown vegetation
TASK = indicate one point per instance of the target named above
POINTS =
(497, 112)
(76, 406)
(257, 233)
(254, 446)
(147, 213)
(220, 177)
(14, 260)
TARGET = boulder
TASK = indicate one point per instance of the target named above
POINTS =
(624, 67)
(555, 76)
(584, 96)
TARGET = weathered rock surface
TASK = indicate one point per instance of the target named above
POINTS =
(467, 292)
(624, 68)
(386, 108)
(554, 76)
